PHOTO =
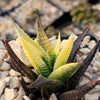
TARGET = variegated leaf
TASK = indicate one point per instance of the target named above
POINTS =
(44, 54)
(64, 54)
(57, 47)
(64, 72)
(43, 40)
(37, 62)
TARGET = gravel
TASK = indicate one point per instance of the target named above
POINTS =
(10, 86)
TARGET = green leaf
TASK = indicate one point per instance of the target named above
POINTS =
(43, 40)
(64, 72)
(44, 54)
(64, 54)
(37, 62)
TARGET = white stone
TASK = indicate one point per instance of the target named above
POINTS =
(98, 74)
(97, 64)
(89, 69)
(52, 38)
(88, 75)
(5, 66)
(91, 44)
(14, 73)
(53, 97)
(95, 69)
(93, 96)
(20, 95)
(4, 74)
(83, 57)
(7, 80)
(53, 42)
(77, 58)
(26, 98)
(3, 53)
(10, 94)
(14, 83)
(18, 98)
(1, 61)
(85, 41)
(15, 45)
(98, 56)
(2, 86)
(2, 45)
(26, 79)
(84, 50)
(96, 89)
(2, 97)
(21, 91)
(7, 59)
(83, 81)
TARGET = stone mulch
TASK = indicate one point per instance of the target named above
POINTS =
(10, 80)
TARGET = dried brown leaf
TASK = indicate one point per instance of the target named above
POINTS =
(79, 92)
(19, 64)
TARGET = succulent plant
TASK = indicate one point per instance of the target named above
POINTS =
(84, 14)
(52, 72)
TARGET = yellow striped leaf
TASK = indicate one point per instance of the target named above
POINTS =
(34, 58)
(43, 40)
(64, 72)
(64, 54)
(44, 54)
(57, 47)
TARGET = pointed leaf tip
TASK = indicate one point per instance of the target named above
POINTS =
(64, 54)
(57, 47)
(43, 40)
(81, 63)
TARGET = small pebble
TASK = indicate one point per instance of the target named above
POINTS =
(3, 53)
(88, 75)
(2, 86)
(95, 69)
(97, 64)
(26, 98)
(2, 97)
(94, 76)
(4, 74)
(91, 44)
(84, 50)
(83, 80)
(7, 80)
(89, 69)
(53, 42)
(14, 83)
(2, 45)
(14, 73)
(5, 66)
(53, 97)
(85, 41)
(98, 74)
(21, 91)
(26, 79)
(10, 94)
(93, 96)
(52, 38)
